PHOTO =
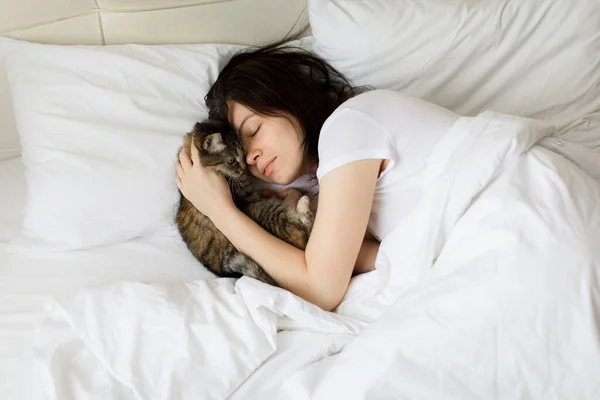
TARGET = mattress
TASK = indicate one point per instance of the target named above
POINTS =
(26, 280)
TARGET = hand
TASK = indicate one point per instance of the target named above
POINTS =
(208, 191)
(290, 195)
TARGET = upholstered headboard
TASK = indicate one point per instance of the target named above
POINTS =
(105, 22)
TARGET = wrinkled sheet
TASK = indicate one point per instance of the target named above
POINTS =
(489, 289)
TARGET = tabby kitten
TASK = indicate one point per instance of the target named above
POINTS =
(221, 150)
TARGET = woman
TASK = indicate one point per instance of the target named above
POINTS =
(297, 115)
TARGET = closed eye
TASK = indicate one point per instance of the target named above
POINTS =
(256, 131)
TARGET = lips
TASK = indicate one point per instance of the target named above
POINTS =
(268, 169)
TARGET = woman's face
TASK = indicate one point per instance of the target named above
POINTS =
(272, 144)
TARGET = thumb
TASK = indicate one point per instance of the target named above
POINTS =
(283, 194)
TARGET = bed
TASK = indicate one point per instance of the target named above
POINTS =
(498, 295)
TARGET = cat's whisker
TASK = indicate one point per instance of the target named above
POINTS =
(237, 186)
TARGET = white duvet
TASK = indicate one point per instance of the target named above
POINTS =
(490, 289)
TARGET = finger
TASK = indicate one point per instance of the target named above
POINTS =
(283, 194)
(195, 154)
(184, 160)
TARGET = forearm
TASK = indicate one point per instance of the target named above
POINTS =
(285, 263)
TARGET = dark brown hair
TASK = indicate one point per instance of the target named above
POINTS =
(282, 80)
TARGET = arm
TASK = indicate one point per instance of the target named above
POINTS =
(367, 255)
(322, 273)
(369, 248)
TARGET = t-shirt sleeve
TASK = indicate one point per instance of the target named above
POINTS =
(350, 135)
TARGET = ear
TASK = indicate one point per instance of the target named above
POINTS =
(213, 143)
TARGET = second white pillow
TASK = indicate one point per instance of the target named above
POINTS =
(100, 128)
(534, 58)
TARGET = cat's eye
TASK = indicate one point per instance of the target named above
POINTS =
(231, 161)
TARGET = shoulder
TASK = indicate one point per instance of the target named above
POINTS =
(371, 99)
(357, 130)
(388, 109)
(368, 105)
(378, 104)
(380, 124)
(389, 106)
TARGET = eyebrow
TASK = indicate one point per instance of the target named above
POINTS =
(244, 121)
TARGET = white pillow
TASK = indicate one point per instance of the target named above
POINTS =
(534, 58)
(99, 129)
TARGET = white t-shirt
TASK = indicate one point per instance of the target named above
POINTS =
(383, 124)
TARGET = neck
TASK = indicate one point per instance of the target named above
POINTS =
(310, 168)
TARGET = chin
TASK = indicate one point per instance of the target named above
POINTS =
(283, 181)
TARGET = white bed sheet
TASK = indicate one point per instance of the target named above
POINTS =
(26, 280)
(490, 284)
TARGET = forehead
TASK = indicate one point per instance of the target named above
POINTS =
(238, 113)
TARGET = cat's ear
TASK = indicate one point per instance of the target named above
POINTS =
(213, 143)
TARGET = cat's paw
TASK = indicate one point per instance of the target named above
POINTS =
(304, 211)
(303, 205)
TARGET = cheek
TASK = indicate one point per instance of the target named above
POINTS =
(293, 140)
(254, 171)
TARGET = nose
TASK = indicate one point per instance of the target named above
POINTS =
(252, 156)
